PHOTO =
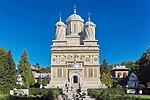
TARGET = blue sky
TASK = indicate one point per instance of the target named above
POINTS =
(123, 26)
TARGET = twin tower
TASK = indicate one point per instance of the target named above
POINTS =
(75, 55)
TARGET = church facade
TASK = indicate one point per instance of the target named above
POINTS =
(75, 55)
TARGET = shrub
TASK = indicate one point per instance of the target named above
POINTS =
(46, 93)
(104, 94)
(148, 84)
(44, 81)
(141, 86)
(4, 90)
(18, 86)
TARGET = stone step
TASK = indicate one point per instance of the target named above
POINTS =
(70, 96)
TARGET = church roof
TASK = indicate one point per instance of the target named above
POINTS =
(133, 77)
(90, 23)
(120, 68)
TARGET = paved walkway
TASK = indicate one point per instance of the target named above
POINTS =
(70, 96)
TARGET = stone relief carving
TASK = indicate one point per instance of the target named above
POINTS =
(62, 59)
(69, 57)
(95, 59)
(87, 59)
(54, 59)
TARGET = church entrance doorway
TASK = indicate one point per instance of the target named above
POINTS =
(75, 79)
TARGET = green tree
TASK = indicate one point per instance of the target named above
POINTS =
(7, 69)
(12, 68)
(144, 67)
(45, 70)
(105, 68)
(106, 79)
(44, 81)
(48, 79)
(37, 66)
(131, 65)
(24, 68)
(39, 81)
(105, 73)
(3, 68)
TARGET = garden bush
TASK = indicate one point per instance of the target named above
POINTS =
(108, 90)
(4, 90)
(40, 94)
(141, 86)
(51, 92)
(105, 94)
(148, 84)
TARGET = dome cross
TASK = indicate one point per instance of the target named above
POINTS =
(60, 14)
(89, 16)
(75, 11)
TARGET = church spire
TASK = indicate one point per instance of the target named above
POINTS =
(89, 16)
(60, 18)
(60, 14)
(75, 11)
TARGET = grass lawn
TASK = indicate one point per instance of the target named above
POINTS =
(4, 97)
(133, 95)
(139, 96)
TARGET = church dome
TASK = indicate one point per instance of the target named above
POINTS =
(89, 22)
(75, 17)
(60, 23)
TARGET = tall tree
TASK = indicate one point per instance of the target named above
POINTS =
(105, 68)
(131, 65)
(7, 69)
(106, 79)
(45, 70)
(3, 67)
(37, 66)
(39, 81)
(44, 81)
(105, 73)
(24, 68)
(144, 67)
(12, 68)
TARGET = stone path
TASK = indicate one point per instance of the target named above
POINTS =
(70, 96)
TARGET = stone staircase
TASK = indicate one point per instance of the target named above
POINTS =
(72, 92)
(70, 96)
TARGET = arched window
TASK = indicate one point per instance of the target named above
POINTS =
(118, 74)
(124, 74)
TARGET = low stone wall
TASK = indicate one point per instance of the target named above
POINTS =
(19, 92)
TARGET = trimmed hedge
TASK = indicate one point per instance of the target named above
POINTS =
(105, 94)
(35, 94)
(108, 90)
(52, 93)
(39, 94)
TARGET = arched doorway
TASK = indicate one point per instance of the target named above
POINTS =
(75, 79)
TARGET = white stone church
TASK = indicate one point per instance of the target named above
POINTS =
(75, 55)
